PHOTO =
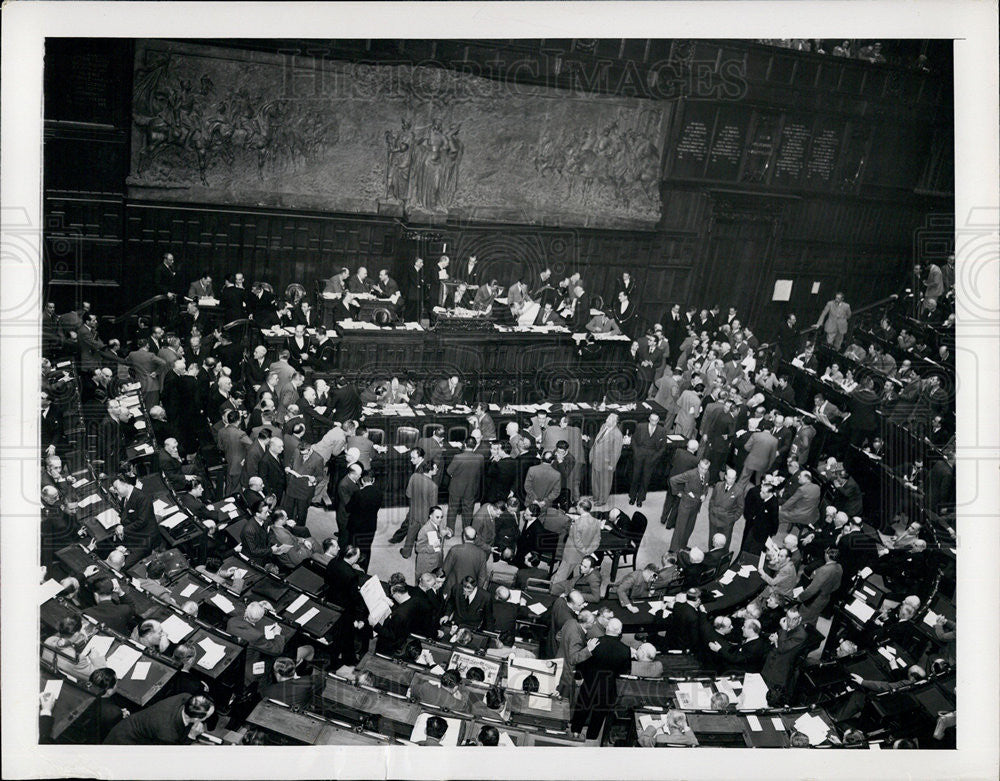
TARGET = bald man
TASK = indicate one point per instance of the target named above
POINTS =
(609, 658)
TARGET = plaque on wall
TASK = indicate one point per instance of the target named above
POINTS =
(690, 151)
(726, 151)
(760, 148)
(789, 163)
(821, 163)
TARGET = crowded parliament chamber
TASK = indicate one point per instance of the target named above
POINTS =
(576, 392)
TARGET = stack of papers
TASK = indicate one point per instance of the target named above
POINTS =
(109, 518)
(122, 659)
(691, 694)
(537, 608)
(213, 653)
(861, 610)
(727, 577)
(161, 507)
(89, 500)
(754, 694)
(176, 629)
(813, 727)
(747, 570)
(175, 519)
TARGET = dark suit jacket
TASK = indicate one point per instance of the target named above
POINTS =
(400, 624)
(161, 723)
(442, 393)
(343, 588)
(501, 479)
(777, 667)
(272, 472)
(253, 538)
(466, 473)
(646, 445)
(362, 509)
(142, 533)
(345, 404)
(119, 616)
(475, 614)
(295, 692)
(462, 560)
(609, 659)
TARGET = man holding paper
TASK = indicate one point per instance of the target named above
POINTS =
(263, 639)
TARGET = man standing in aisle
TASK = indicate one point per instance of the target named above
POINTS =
(466, 473)
(691, 488)
(649, 442)
(834, 319)
(604, 454)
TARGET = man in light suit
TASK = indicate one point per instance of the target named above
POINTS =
(543, 483)
(834, 319)
(481, 419)
(725, 506)
(825, 582)
(201, 287)
(466, 473)
(465, 560)
(147, 369)
(762, 449)
(802, 507)
(649, 443)
(605, 451)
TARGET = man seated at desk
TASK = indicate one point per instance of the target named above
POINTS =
(547, 316)
(585, 578)
(295, 691)
(358, 283)
(483, 302)
(672, 731)
(635, 586)
(603, 323)
(449, 694)
(448, 391)
(336, 284)
(459, 298)
(388, 289)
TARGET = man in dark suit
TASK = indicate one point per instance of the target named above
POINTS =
(469, 605)
(787, 642)
(547, 316)
(448, 391)
(683, 461)
(288, 687)
(232, 299)
(138, 529)
(118, 615)
(649, 443)
(406, 614)
(749, 656)
(466, 473)
(609, 658)
(433, 447)
(345, 403)
(688, 623)
(415, 291)
(254, 538)
(362, 512)
(465, 560)
(271, 469)
(173, 721)
(348, 486)
(343, 578)
(786, 341)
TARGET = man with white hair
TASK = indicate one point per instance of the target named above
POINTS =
(519, 443)
(176, 473)
(264, 637)
(609, 658)
(645, 664)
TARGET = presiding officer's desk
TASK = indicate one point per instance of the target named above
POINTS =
(762, 729)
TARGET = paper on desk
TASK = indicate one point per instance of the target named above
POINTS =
(746, 570)
(726, 688)
(539, 703)
(655, 606)
(930, 618)
(716, 593)
(648, 720)
(222, 603)
(813, 727)
(49, 589)
(80, 482)
(754, 723)
(307, 616)
(727, 577)
(302, 599)
(537, 608)
(176, 628)
(109, 518)
(160, 507)
(778, 724)
(175, 519)
(53, 687)
(239, 574)
(140, 425)
(515, 596)
(189, 589)
(98, 645)
(140, 671)
(754, 694)
(860, 610)
(213, 653)
(144, 449)
(691, 694)
(400, 448)
(89, 500)
(122, 659)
